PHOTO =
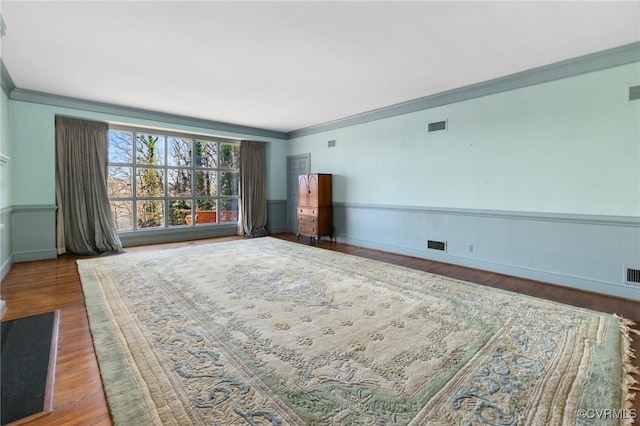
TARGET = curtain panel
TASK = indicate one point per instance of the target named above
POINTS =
(84, 222)
(253, 189)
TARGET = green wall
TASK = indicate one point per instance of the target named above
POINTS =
(5, 148)
(567, 146)
(6, 249)
(541, 182)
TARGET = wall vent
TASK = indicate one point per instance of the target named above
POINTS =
(331, 144)
(633, 275)
(634, 93)
(437, 245)
(437, 126)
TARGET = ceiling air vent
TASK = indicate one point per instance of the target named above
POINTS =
(633, 276)
(634, 93)
(437, 126)
(331, 143)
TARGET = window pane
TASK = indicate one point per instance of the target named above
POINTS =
(180, 212)
(120, 181)
(205, 216)
(150, 149)
(149, 182)
(206, 204)
(179, 182)
(120, 147)
(229, 210)
(206, 183)
(229, 183)
(206, 211)
(206, 154)
(179, 151)
(123, 214)
(163, 180)
(150, 213)
(229, 156)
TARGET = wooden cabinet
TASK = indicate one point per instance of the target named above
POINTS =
(315, 212)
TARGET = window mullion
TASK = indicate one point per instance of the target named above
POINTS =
(135, 182)
(210, 169)
(165, 183)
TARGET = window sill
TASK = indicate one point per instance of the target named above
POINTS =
(178, 233)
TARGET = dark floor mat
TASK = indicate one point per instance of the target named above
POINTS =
(26, 349)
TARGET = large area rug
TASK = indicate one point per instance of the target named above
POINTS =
(269, 332)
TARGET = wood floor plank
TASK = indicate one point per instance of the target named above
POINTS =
(36, 287)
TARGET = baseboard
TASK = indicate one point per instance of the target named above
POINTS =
(277, 230)
(28, 256)
(6, 267)
(581, 283)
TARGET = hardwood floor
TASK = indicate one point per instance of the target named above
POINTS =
(36, 287)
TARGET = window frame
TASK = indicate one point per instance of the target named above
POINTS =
(167, 199)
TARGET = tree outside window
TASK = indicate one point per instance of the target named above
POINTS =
(164, 180)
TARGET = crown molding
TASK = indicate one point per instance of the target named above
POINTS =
(143, 114)
(17, 94)
(5, 79)
(610, 58)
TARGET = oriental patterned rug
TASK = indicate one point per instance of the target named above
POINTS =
(269, 332)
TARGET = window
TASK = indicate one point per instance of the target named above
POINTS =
(160, 180)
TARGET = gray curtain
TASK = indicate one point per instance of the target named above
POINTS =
(253, 189)
(84, 222)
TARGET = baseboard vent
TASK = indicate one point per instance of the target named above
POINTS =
(437, 126)
(633, 276)
(437, 245)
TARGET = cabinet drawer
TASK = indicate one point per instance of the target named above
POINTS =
(308, 219)
(308, 211)
(307, 228)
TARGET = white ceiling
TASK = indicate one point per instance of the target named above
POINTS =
(289, 65)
